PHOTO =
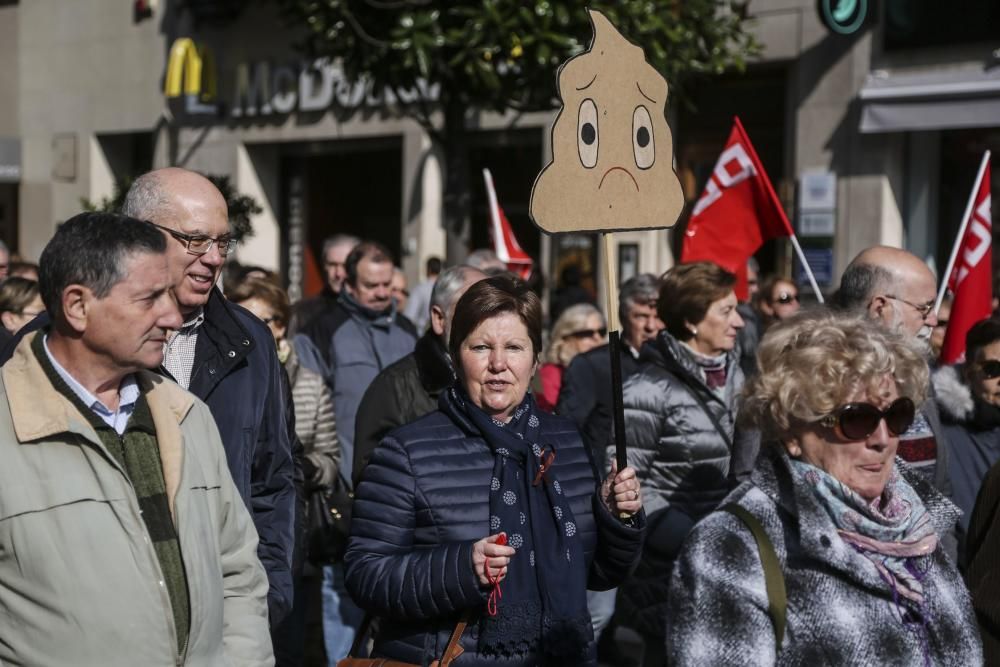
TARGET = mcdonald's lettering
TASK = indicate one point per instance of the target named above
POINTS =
(262, 89)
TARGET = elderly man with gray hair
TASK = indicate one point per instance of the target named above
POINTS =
(897, 289)
(409, 388)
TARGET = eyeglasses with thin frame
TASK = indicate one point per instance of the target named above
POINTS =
(588, 333)
(924, 310)
(786, 298)
(199, 244)
(857, 421)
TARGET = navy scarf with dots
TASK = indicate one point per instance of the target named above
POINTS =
(544, 605)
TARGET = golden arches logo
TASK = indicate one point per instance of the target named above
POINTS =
(190, 71)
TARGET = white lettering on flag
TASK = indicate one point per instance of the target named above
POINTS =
(721, 176)
(977, 240)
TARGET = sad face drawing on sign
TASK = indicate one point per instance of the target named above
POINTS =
(612, 152)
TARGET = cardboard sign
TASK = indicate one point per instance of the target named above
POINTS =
(612, 152)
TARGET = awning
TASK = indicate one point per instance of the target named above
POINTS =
(10, 160)
(942, 100)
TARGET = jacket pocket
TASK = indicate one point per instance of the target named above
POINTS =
(47, 494)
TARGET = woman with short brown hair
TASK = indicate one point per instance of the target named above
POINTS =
(680, 410)
(488, 511)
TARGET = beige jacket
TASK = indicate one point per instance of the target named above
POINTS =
(80, 583)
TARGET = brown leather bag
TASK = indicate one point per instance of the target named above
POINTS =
(451, 651)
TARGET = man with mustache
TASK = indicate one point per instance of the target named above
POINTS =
(358, 339)
(122, 537)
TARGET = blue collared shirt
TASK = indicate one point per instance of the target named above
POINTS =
(128, 395)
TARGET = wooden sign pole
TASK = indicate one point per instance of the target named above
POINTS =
(614, 349)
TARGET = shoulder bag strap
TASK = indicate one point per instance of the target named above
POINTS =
(704, 406)
(454, 647)
(774, 580)
(360, 635)
(451, 651)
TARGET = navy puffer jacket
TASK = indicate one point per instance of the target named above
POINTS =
(421, 504)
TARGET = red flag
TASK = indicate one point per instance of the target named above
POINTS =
(736, 213)
(504, 244)
(971, 278)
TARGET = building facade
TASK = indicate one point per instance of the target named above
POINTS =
(870, 137)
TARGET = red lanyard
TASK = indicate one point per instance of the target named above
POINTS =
(496, 593)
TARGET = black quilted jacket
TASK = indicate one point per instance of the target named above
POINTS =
(423, 501)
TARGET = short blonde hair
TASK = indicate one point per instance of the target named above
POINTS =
(572, 319)
(811, 363)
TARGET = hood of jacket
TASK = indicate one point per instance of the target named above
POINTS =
(953, 395)
(959, 404)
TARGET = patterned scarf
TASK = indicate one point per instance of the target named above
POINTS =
(890, 531)
(544, 604)
(714, 368)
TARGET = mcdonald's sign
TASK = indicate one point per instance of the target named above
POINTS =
(191, 75)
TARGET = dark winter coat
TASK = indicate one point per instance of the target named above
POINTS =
(356, 344)
(306, 310)
(972, 431)
(402, 393)
(682, 461)
(585, 396)
(423, 501)
(840, 611)
(982, 572)
(237, 373)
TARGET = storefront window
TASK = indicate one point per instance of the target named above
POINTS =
(913, 25)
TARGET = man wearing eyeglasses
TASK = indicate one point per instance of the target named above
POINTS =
(897, 288)
(226, 357)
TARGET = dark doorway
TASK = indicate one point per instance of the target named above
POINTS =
(758, 98)
(349, 187)
(514, 157)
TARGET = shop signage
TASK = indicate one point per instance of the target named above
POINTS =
(191, 76)
(263, 89)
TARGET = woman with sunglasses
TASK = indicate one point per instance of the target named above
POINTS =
(777, 301)
(847, 535)
(579, 329)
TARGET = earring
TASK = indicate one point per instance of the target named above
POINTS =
(694, 331)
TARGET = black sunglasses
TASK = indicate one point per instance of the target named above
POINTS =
(588, 333)
(990, 369)
(857, 421)
(786, 298)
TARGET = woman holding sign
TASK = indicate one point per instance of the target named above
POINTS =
(479, 528)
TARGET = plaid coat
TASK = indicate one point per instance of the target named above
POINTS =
(840, 612)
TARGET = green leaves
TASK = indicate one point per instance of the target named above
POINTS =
(500, 54)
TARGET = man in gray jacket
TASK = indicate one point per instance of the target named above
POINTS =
(359, 338)
(123, 540)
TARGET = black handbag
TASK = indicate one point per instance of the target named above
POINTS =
(329, 522)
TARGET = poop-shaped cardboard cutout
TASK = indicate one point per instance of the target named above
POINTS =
(612, 153)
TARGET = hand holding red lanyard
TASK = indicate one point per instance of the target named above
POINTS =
(490, 557)
(496, 593)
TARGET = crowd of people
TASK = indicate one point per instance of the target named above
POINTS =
(193, 473)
